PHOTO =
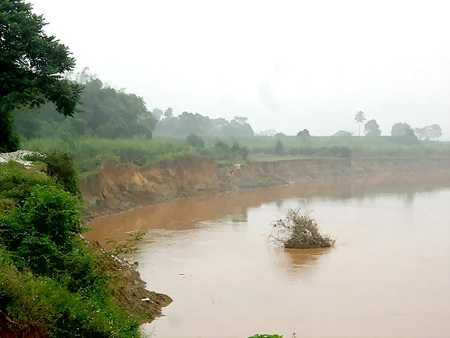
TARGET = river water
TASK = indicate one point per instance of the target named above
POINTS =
(387, 276)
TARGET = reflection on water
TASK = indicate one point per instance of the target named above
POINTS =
(188, 213)
(388, 275)
(297, 263)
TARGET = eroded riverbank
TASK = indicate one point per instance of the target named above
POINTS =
(120, 187)
(388, 275)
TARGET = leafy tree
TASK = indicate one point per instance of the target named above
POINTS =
(195, 141)
(61, 166)
(107, 112)
(157, 113)
(241, 120)
(239, 150)
(360, 117)
(32, 66)
(304, 134)
(371, 128)
(168, 113)
(429, 132)
(238, 127)
(343, 133)
(279, 148)
(403, 132)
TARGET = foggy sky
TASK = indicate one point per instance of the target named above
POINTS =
(286, 65)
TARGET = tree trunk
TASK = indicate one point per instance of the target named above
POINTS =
(9, 138)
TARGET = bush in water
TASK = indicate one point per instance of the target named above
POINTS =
(299, 231)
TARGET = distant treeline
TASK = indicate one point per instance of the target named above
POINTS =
(106, 112)
(110, 113)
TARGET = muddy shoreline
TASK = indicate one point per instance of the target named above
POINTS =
(122, 187)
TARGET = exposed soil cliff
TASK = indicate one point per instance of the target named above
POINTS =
(120, 187)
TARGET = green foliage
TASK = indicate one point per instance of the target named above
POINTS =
(239, 151)
(41, 231)
(433, 131)
(360, 118)
(189, 123)
(279, 148)
(355, 147)
(105, 112)
(16, 183)
(129, 245)
(45, 304)
(91, 153)
(371, 128)
(32, 65)
(224, 152)
(343, 133)
(195, 141)
(50, 278)
(9, 137)
(61, 166)
(303, 134)
(403, 133)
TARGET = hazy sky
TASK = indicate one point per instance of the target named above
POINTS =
(286, 65)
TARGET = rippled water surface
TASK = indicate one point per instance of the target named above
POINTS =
(387, 276)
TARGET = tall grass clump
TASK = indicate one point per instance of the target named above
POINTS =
(298, 230)
(91, 153)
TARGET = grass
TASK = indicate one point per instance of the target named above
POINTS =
(359, 146)
(91, 153)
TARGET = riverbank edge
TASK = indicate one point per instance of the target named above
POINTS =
(121, 187)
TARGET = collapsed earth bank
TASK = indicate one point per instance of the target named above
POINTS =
(119, 187)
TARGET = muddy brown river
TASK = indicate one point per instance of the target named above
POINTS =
(388, 275)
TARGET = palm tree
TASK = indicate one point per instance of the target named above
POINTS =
(360, 117)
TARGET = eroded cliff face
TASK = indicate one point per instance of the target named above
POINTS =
(120, 187)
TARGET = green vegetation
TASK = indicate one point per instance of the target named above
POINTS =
(429, 132)
(104, 112)
(50, 279)
(299, 231)
(195, 141)
(189, 123)
(403, 133)
(372, 129)
(360, 118)
(32, 65)
(90, 153)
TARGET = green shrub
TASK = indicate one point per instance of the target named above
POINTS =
(195, 141)
(279, 148)
(42, 230)
(43, 303)
(16, 181)
(61, 166)
(91, 153)
(50, 278)
(239, 151)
